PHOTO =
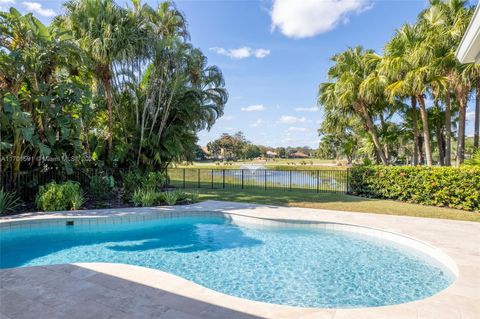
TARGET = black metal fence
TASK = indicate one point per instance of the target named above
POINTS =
(26, 183)
(318, 181)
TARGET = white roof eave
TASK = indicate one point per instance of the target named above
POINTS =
(469, 49)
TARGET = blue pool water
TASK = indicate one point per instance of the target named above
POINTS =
(291, 266)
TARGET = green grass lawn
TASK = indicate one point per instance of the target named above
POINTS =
(335, 202)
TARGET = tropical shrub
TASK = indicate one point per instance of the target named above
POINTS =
(171, 197)
(147, 197)
(134, 180)
(438, 186)
(101, 186)
(190, 197)
(64, 196)
(78, 199)
(8, 202)
(154, 180)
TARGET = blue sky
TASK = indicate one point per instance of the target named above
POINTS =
(274, 53)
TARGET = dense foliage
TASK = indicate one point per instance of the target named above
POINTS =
(438, 186)
(409, 104)
(64, 196)
(102, 86)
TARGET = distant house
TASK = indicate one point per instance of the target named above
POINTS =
(298, 155)
(271, 154)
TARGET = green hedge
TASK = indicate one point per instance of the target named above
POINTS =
(438, 186)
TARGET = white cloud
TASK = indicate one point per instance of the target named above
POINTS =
(297, 129)
(306, 109)
(253, 108)
(261, 53)
(242, 52)
(257, 123)
(36, 7)
(307, 18)
(227, 117)
(286, 119)
(6, 4)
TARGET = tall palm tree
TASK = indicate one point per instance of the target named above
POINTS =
(102, 30)
(395, 65)
(444, 24)
(353, 92)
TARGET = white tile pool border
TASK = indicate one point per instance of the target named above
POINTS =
(453, 243)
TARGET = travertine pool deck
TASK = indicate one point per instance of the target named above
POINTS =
(102, 290)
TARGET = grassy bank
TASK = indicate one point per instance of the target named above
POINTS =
(335, 202)
(282, 163)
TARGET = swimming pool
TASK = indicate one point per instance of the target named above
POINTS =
(287, 264)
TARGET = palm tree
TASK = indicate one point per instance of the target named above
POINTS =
(395, 65)
(353, 92)
(102, 30)
(443, 24)
(414, 74)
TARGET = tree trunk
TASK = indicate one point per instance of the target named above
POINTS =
(448, 129)
(108, 93)
(373, 133)
(421, 157)
(477, 117)
(462, 99)
(415, 131)
(438, 134)
(426, 134)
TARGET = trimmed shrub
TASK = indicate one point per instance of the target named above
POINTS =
(64, 196)
(439, 186)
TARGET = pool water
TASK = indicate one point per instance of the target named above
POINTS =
(290, 266)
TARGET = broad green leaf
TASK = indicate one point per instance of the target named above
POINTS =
(44, 150)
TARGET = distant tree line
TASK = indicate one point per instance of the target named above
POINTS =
(237, 147)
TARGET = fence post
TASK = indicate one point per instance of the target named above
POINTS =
(290, 181)
(265, 179)
(212, 178)
(348, 180)
(184, 178)
(223, 179)
(242, 178)
(318, 181)
(198, 178)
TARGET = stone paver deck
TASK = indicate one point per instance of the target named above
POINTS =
(102, 290)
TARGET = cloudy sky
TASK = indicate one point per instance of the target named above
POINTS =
(274, 53)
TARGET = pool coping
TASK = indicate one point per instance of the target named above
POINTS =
(457, 239)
